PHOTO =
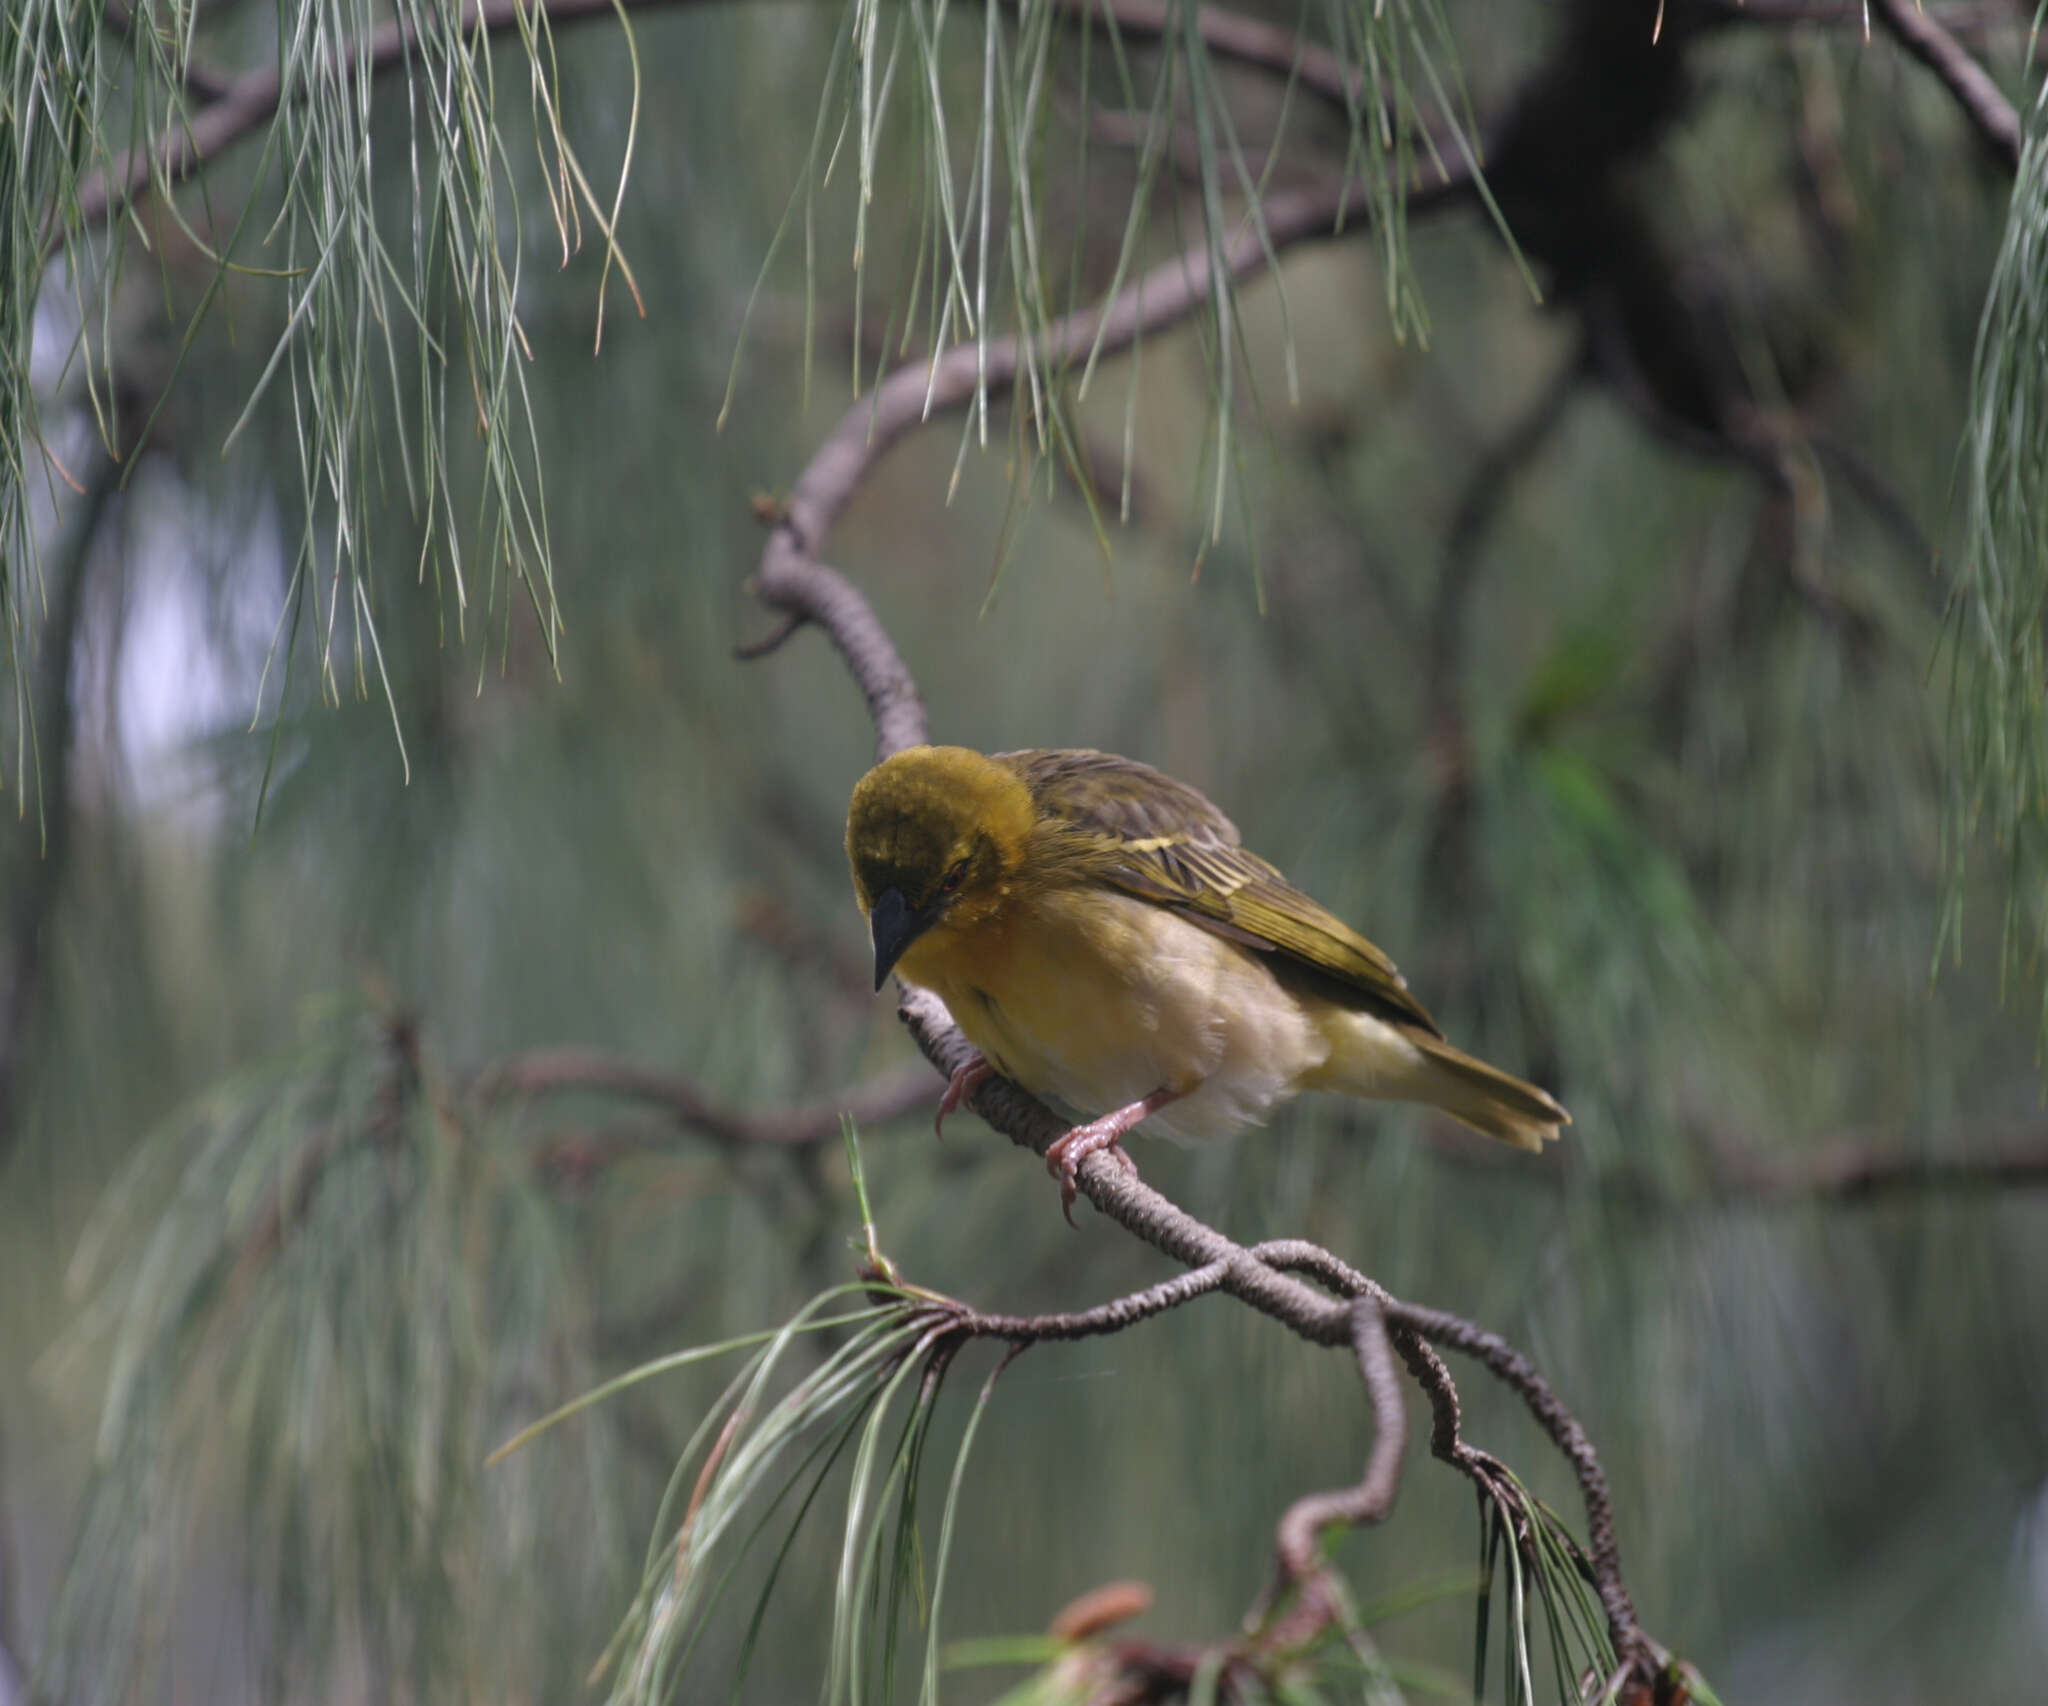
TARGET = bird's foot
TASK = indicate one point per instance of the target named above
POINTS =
(1064, 1157)
(962, 1085)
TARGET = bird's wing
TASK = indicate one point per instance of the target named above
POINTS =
(1163, 841)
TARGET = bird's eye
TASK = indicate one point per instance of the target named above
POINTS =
(954, 878)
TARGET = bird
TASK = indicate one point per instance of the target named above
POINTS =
(1104, 939)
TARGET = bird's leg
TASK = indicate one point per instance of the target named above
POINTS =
(961, 1086)
(1063, 1159)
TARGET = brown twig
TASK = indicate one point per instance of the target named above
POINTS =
(792, 578)
(1960, 21)
(1848, 1172)
(235, 107)
(240, 105)
(1022, 1331)
(1566, 1433)
(1984, 104)
(1411, 1331)
(1263, 1278)
(1299, 1541)
(558, 1071)
(1230, 35)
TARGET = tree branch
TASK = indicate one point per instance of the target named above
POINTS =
(1984, 104)
(1301, 1529)
(1854, 1172)
(234, 107)
(240, 105)
(1848, 1172)
(1231, 35)
(1566, 1433)
(558, 1071)
(794, 581)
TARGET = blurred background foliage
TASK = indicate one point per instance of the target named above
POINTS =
(1625, 738)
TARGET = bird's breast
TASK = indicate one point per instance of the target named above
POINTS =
(1096, 999)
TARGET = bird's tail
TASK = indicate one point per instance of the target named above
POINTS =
(1483, 1097)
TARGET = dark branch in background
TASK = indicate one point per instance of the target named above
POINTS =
(1967, 23)
(1933, 35)
(36, 889)
(561, 1070)
(1230, 35)
(1857, 1171)
(1847, 1172)
(234, 107)
(238, 106)
(1984, 104)
(1564, 163)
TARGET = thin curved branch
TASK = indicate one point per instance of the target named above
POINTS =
(558, 1071)
(1565, 1432)
(1965, 22)
(1854, 1172)
(794, 580)
(1984, 104)
(1301, 1529)
(1848, 1172)
(1020, 1331)
(1230, 35)
(235, 107)
(1409, 1331)
(241, 105)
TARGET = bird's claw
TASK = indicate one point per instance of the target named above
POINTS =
(1064, 1157)
(959, 1087)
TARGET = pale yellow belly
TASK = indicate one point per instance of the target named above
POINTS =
(1137, 1001)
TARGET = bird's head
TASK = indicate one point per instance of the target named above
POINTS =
(935, 834)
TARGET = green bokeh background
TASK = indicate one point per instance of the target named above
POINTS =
(1693, 877)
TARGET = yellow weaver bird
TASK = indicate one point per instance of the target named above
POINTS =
(1103, 939)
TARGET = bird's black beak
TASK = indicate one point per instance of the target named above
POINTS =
(894, 927)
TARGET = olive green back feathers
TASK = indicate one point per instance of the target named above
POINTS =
(1163, 841)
